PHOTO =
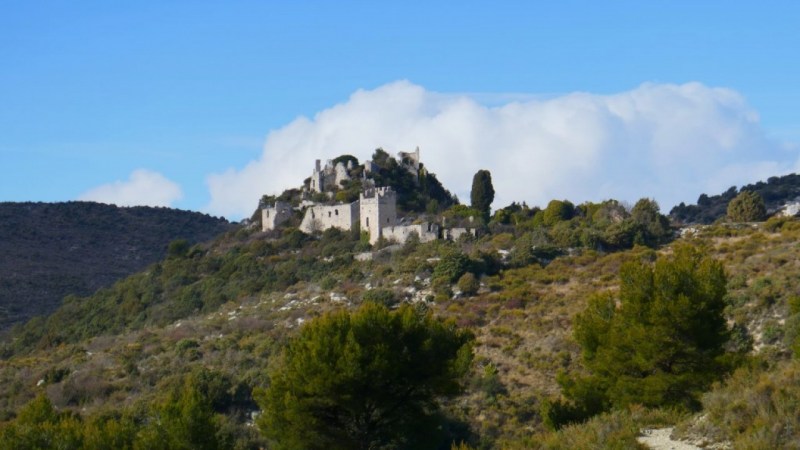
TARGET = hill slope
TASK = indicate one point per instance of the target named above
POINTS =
(51, 250)
(228, 307)
(221, 312)
(776, 192)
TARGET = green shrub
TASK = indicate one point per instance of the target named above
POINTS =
(748, 206)
(452, 265)
(468, 284)
(385, 297)
(328, 283)
(756, 408)
(615, 430)
(556, 211)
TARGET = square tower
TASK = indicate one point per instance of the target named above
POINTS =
(378, 210)
(272, 216)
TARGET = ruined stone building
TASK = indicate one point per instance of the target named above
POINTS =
(329, 177)
(272, 216)
(410, 160)
(375, 212)
(321, 217)
(426, 232)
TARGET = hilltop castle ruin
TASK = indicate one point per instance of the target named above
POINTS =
(375, 212)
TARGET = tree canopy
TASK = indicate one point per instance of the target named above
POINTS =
(184, 419)
(414, 193)
(658, 344)
(653, 227)
(364, 380)
(482, 194)
(748, 206)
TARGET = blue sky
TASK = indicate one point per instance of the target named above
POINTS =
(186, 93)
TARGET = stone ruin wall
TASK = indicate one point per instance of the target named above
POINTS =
(453, 234)
(426, 232)
(322, 217)
(329, 176)
(273, 216)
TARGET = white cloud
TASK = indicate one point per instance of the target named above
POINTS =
(143, 187)
(665, 141)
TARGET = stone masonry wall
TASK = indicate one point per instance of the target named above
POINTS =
(275, 215)
(427, 232)
(322, 217)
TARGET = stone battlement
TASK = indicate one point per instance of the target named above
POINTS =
(378, 193)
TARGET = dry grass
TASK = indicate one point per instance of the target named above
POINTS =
(522, 319)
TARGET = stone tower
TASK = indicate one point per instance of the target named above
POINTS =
(272, 216)
(378, 210)
(317, 178)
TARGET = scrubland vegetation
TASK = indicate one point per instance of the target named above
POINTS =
(556, 328)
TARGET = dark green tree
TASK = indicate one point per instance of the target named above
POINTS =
(653, 227)
(413, 193)
(452, 265)
(748, 206)
(40, 426)
(482, 194)
(658, 344)
(185, 420)
(364, 380)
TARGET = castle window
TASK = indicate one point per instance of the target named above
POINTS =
(329, 213)
(336, 211)
(267, 213)
(367, 222)
(387, 220)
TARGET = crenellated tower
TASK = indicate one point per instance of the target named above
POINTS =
(378, 210)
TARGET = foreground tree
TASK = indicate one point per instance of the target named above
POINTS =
(482, 194)
(364, 380)
(658, 345)
(748, 206)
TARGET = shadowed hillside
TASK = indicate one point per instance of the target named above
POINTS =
(50, 250)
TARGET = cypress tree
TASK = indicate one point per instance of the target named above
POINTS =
(482, 194)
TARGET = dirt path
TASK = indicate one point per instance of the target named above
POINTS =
(659, 439)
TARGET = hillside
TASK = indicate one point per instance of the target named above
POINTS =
(219, 313)
(51, 250)
(522, 318)
(776, 192)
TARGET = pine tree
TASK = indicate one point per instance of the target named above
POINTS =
(658, 344)
(364, 380)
